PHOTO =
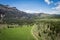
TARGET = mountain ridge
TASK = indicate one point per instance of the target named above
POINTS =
(8, 13)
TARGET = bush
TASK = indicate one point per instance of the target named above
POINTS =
(49, 30)
(10, 26)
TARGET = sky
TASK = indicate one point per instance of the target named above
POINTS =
(35, 6)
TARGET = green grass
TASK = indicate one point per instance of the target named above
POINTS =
(21, 33)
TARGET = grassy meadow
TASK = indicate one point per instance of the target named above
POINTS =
(19, 33)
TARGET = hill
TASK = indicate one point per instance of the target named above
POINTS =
(13, 15)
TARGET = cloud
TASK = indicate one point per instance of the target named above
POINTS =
(58, 3)
(48, 1)
(55, 12)
(56, 8)
(30, 11)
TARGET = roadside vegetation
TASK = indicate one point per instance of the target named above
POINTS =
(47, 29)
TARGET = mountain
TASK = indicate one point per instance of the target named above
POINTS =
(8, 14)
(13, 15)
(12, 12)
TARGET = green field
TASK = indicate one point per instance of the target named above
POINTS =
(20, 33)
(43, 29)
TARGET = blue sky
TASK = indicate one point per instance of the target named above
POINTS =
(35, 6)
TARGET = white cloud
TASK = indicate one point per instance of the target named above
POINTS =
(30, 11)
(56, 8)
(48, 2)
(55, 12)
(58, 3)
